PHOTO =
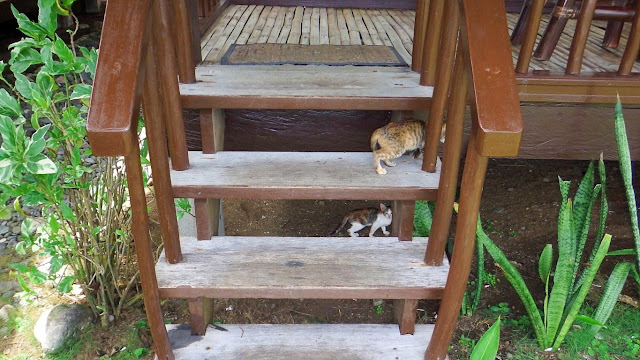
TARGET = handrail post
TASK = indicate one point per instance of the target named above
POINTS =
(431, 43)
(419, 32)
(183, 40)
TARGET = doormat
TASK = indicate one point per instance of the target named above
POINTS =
(281, 54)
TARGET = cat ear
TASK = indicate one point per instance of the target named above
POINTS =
(383, 207)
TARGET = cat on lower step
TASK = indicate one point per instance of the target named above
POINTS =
(377, 218)
(396, 138)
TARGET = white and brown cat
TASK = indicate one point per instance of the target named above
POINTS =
(396, 138)
(377, 218)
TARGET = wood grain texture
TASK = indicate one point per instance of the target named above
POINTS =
(290, 268)
(300, 175)
(402, 225)
(305, 87)
(200, 315)
(404, 313)
(309, 342)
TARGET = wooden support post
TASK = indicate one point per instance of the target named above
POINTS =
(157, 141)
(145, 256)
(450, 166)
(579, 41)
(441, 91)
(166, 60)
(632, 51)
(519, 29)
(396, 115)
(419, 32)
(209, 220)
(201, 315)
(463, 250)
(212, 130)
(183, 40)
(552, 33)
(404, 313)
(529, 38)
(432, 41)
(402, 225)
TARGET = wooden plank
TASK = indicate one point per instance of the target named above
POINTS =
(216, 50)
(334, 31)
(314, 36)
(400, 20)
(277, 26)
(342, 26)
(379, 28)
(312, 268)
(306, 27)
(286, 29)
(257, 30)
(362, 28)
(220, 25)
(393, 37)
(406, 40)
(301, 175)
(250, 25)
(296, 26)
(301, 341)
(324, 26)
(371, 28)
(269, 24)
(354, 34)
(306, 87)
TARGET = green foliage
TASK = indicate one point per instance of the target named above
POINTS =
(487, 346)
(183, 206)
(86, 227)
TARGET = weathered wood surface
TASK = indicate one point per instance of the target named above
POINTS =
(314, 267)
(305, 87)
(301, 175)
(309, 342)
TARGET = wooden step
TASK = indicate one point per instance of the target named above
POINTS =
(308, 342)
(311, 267)
(306, 87)
(301, 175)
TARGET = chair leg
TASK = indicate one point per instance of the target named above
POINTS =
(579, 42)
(554, 30)
(632, 51)
(529, 38)
(404, 313)
(612, 34)
(519, 30)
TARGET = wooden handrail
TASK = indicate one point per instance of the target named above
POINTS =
(115, 102)
(495, 104)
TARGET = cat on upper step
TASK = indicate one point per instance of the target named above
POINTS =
(395, 139)
(377, 218)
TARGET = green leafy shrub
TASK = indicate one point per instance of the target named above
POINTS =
(86, 220)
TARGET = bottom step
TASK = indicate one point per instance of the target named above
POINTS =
(308, 342)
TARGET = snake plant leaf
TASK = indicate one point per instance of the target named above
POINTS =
(487, 346)
(582, 293)
(582, 200)
(622, 252)
(581, 234)
(545, 263)
(562, 279)
(625, 171)
(610, 294)
(589, 320)
(604, 205)
(423, 218)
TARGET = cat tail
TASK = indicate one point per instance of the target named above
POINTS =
(374, 140)
(342, 224)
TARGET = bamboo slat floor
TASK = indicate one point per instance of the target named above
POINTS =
(250, 24)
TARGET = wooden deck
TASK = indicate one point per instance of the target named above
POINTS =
(250, 24)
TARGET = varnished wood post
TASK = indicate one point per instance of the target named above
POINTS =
(579, 41)
(183, 40)
(431, 44)
(200, 315)
(463, 250)
(519, 29)
(419, 31)
(404, 313)
(632, 51)
(554, 29)
(157, 141)
(144, 254)
(168, 76)
(532, 25)
(441, 90)
(402, 225)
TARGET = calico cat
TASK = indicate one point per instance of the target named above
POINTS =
(395, 139)
(359, 219)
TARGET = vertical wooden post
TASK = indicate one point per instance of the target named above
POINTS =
(519, 29)
(402, 225)
(463, 250)
(144, 254)
(579, 41)
(404, 313)
(441, 90)
(554, 30)
(632, 51)
(200, 315)
(212, 130)
(183, 40)
(157, 141)
(166, 60)
(450, 166)
(432, 41)
(532, 25)
(419, 31)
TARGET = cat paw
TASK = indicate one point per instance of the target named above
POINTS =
(381, 171)
(390, 163)
(386, 233)
(354, 234)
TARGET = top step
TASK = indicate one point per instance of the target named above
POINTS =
(317, 87)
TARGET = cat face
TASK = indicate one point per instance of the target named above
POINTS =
(386, 211)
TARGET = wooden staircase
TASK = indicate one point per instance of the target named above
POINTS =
(137, 67)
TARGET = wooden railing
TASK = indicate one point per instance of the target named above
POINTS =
(137, 66)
